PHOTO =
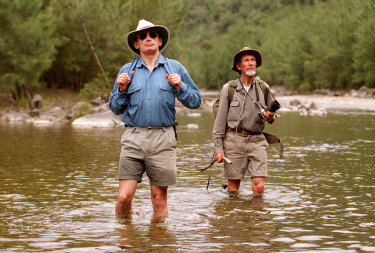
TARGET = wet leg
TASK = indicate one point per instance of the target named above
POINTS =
(126, 193)
(233, 185)
(258, 185)
(159, 201)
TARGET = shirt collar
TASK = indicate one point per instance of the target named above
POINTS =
(160, 60)
(239, 86)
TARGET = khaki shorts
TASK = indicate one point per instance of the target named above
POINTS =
(246, 153)
(150, 150)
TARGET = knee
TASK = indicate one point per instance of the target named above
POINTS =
(125, 198)
(158, 199)
(259, 189)
(258, 186)
(233, 185)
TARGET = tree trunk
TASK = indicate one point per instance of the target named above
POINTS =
(90, 44)
(94, 53)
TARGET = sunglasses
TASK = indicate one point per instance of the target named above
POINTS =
(143, 35)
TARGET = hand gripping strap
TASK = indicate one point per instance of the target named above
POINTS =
(132, 67)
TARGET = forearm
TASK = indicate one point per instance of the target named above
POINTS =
(118, 101)
(189, 97)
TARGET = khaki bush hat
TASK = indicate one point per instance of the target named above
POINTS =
(244, 51)
(163, 33)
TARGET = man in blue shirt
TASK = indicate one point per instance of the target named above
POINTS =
(146, 98)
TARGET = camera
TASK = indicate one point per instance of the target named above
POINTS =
(273, 107)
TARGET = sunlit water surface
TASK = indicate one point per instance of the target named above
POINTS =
(59, 188)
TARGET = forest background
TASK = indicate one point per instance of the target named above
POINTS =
(80, 44)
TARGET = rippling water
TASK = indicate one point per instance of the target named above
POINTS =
(59, 188)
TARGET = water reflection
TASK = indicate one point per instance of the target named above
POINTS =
(241, 224)
(59, 190)
(155, 238)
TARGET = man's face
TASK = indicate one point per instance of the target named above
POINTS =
(247, 65)
(148, 41)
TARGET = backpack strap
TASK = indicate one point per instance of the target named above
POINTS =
(167, 66)
(231, 89)
(264, 87)
(271, 139)
(266, 90)
(168, 69)
(132, 67)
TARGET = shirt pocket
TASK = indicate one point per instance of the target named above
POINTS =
(234, 110)
(167, 94)
(134, 93)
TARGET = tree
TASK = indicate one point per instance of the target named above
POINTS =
(27, 45)
(364, 48)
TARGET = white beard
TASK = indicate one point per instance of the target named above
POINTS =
(250, 73)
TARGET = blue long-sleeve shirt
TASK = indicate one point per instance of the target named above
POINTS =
(149, 101)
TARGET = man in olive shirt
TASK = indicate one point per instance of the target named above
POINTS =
(237, 132)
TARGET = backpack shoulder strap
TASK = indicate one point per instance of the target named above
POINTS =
(132, 67)
(167, 66)
(266, 90)
(231, 89)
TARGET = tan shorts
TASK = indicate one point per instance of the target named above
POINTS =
(148, 150)
(246, 153)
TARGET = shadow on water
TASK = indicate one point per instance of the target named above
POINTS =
(59, 190)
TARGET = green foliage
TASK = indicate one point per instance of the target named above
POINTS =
(81, 110)
(305, 44)
(27, 45)
(95, 88)
(364, 49)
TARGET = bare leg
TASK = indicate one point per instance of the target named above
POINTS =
(233, 185)
(159, 201)
(126, 193)
(258, 185)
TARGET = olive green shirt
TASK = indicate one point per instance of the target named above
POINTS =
(242, 113)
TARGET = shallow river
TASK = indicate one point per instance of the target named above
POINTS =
(59, 188)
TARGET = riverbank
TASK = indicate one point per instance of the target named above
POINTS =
(67, 107)
(332, 102)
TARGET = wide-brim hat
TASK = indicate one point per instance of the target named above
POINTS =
(244, 51)
(163, 33)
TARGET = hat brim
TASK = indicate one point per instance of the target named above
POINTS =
(237, 58)
(163, 33)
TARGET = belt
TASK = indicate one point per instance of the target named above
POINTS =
(242, 131)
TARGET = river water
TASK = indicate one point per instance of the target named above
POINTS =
(59, 188)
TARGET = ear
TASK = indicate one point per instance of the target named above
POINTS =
(135, 44)
(160, 41)
(238, 66)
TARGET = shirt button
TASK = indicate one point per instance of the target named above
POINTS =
(149, 99)
(149, 87)
(149, 111)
